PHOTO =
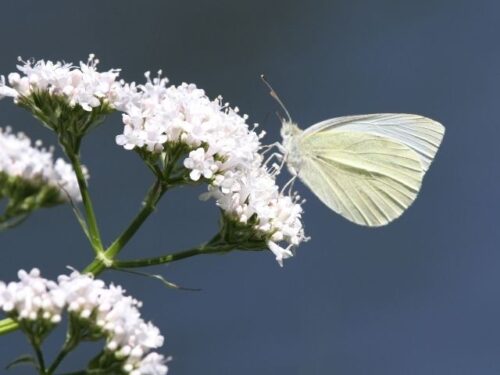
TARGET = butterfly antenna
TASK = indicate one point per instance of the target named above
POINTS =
(276, 97)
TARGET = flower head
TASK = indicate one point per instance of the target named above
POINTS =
(34, 165)
(220, 149)
(80, 84)
(32, 298)
(69, 99)
(104, 311)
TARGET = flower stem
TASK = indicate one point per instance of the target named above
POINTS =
(107, 256)
(95, 268)
(95, 236)
(146, 262)
(212, 247)
(62, 354)
(8, 325)
(69, 344)
(38, 352)
(149, 205)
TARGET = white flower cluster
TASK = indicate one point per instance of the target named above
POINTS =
(32, 297)
(19, 158)
(224, 151)
(82, 84)
(128, 336)
(245, 194)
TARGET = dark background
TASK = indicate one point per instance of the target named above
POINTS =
(420, 296)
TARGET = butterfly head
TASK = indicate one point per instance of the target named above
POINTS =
(289, 133)
(289, 129)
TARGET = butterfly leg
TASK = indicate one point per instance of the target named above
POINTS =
(276, 155)
(289, 185)
(269, 147)
(280, 155)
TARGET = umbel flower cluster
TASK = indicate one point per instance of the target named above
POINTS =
(30, 178)
(68, 99)
(185, 138)
(221, 149)
(96, 311)
(212, 141)
(35, 165)
(81, 85)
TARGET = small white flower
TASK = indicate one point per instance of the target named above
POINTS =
(280, 252)
(6, 90)
(201, 164)
(8, 296)
(131, 138)
(152, 364)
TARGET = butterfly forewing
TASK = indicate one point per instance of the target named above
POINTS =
(367, 178)
(421, 134)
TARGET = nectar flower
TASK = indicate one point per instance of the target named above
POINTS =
(220, 149)
(104, 311)
(32, 298)
(21, 162)
(81, 85)
(68, 99)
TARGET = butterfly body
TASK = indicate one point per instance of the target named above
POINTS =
(291, 133)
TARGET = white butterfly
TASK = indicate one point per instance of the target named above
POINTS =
(367, 168)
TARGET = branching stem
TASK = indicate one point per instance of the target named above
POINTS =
(95, 236)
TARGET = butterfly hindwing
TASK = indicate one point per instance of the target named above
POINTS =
(368, 179)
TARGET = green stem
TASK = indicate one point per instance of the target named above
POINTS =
(39, 355)
(146, 262)
(95, 268)
(8, 325)
(105, 259)
(149, 205)
(95, 237)
(68, 346)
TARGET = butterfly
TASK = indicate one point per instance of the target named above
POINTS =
(367, 168)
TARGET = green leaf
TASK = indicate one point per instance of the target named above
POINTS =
(25, 359)
(164, 281)
(13, 222)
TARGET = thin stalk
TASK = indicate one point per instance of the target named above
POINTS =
(105, 259)
(39, 355)
(95, 236)
(8, 325)
(149, 205)
(68, 346)
(154, 261)
(95, 268)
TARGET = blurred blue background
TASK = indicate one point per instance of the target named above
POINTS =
(421, 296)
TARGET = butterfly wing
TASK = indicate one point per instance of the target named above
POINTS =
(421, 134)
(368, 179)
